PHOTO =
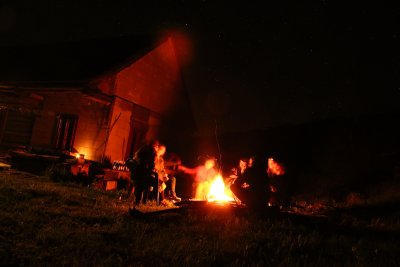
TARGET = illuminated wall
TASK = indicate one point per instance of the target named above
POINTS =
(152, 83)
(119, 129)
(92, 122)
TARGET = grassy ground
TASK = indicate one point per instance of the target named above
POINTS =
(43, 223)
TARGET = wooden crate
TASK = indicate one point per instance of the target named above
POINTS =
(110, 184)
(110, 179)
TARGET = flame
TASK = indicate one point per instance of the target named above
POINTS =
(218, 192)
(74, 154)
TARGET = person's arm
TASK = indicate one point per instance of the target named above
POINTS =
(187, 170)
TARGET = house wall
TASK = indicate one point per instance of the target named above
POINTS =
(119, 122)
(153, 81)
(154, 127)
(17, 116)
(91, 128)
(120, 126)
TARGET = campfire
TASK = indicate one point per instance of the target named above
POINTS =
(213, 189)
(218, 192)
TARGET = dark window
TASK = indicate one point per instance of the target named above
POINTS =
(65, 131)
(138, 136)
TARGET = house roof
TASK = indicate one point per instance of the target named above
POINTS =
(70, 62)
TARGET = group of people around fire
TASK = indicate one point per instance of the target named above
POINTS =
(253, 182)
(257, 181)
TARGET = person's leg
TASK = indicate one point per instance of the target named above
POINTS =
(206, 189)
(172, 183)
(145, 194)
(194, 189)
(151, 188)
(243, 194)
(199, 191)
(130, 189)
(173, 187)
(138, 193)
(148, 188)
(168, 191)
(131, 193)
(140, 184)
(161, 189)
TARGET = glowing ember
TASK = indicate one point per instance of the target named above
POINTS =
(218, 192)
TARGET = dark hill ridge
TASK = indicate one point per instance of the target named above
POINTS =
(345, 152)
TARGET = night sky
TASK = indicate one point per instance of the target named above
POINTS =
(250, 65)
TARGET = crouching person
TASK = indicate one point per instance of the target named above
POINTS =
(252, 187)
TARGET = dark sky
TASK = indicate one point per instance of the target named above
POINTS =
(252, 65)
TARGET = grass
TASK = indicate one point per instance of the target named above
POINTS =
(44, 223)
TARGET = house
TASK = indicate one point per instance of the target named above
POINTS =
(100, 98)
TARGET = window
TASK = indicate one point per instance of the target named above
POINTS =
(138, 134)
(65, 131)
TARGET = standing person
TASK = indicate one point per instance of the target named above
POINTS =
(203, 175)
(144, 176)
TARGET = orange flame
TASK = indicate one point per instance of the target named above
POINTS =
(218, 192)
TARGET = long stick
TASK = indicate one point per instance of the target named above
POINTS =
(219, 149)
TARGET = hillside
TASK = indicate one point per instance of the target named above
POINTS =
(341, 154)
(43, 223)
